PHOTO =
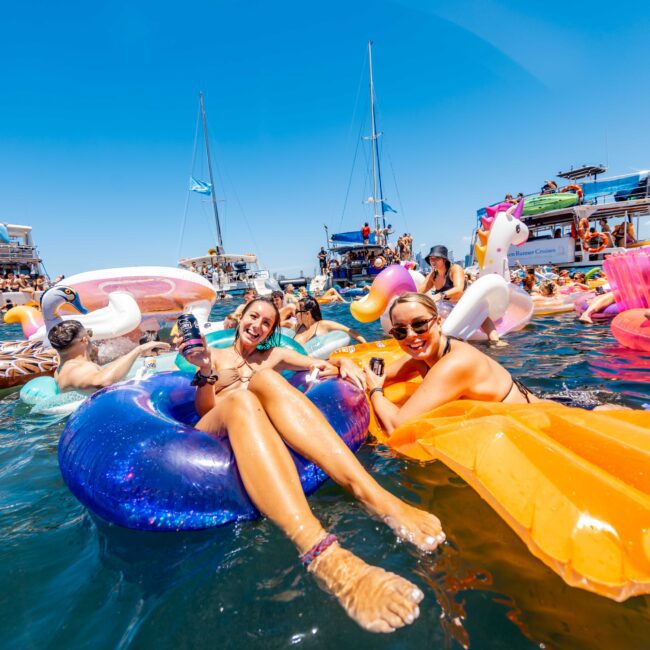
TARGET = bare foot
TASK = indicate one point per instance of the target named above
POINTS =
(498, 343)
(377, 600)
(420, 528)
(586, 319)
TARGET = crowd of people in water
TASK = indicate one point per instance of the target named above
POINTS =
(240, 389)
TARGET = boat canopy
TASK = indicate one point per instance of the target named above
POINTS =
(620, 186)
(353, 237)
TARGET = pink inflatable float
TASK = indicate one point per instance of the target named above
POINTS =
(390, 283)
(632, 329)
(160, 291)
(629, 276)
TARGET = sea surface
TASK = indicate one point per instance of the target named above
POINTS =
(70, 581)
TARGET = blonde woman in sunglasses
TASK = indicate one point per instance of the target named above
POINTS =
(451, 369)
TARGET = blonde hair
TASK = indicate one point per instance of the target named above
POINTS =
(421, 298)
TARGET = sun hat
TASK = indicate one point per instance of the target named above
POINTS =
(438, 251)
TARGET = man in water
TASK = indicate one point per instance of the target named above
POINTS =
(78, 369)
(249, 295)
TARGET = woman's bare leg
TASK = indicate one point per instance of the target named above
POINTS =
(305, 429)
(598, 304)
(490, 330)
(377, 600)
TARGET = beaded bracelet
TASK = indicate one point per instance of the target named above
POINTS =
(309, 556)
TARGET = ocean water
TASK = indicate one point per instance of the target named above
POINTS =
(70, 581)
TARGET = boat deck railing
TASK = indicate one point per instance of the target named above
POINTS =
(18, 253)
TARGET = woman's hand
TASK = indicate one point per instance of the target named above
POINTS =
(373, 380)
(199, 357)
(350, 370)
(325, 368)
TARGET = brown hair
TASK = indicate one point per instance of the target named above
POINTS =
(64, 334)
(272, 339)
(421, 298)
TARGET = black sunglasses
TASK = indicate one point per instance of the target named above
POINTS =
(400, 332)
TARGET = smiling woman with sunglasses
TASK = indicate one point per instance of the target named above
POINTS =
(450, 369)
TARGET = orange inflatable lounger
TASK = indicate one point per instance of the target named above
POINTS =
(573, 484)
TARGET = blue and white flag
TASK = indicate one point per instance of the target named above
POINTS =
(200, 187)
(387, 207)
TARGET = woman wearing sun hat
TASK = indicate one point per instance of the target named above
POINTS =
(446, 280)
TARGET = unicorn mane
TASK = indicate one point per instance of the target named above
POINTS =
(481, 246)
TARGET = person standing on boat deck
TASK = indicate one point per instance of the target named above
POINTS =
(607, 231)
(365, 233)
(240, 391)
(322, 260)
(77, 368)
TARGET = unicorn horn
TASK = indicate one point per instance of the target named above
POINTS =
(519, 209)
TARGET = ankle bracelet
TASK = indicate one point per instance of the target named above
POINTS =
(309, 556)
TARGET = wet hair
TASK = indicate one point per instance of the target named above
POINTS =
(311, 306)
(548, 288)
(64, 334)
(277, 294)
(272, 339)
(420, 298)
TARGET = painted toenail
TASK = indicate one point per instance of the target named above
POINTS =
(410, 618)
(430, 540)
(416, 595)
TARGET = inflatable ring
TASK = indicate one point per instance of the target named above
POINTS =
(583, 228)
(333, 265)
(226, 338)
(595, 249)
(574, 188)
(323, 345)
(131, 455)
(590, 274)
(379, 262)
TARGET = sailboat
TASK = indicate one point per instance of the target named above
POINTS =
(229, 272)
(351, 258)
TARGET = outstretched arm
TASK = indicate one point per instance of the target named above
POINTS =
(90, 376)
(333, 326)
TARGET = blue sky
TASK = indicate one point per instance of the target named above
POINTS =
(475, 99)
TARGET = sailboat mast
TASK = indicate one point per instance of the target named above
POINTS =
(212, 193)
(373, 139)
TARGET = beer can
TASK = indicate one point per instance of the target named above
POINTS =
(190, 332)
(150, 363)
(377, 366)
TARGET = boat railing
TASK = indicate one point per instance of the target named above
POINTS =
(18, 252)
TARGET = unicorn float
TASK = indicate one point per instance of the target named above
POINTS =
(492, 295)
